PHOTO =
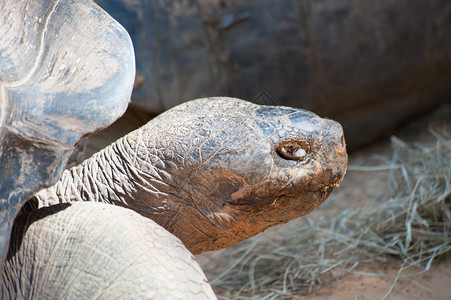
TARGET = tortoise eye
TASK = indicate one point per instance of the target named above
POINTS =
(293, 150)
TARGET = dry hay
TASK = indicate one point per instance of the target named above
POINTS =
(411, 223)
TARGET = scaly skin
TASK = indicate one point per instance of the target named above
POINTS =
(98, 251)
(214, 171)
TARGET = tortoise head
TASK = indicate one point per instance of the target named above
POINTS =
(230, 169)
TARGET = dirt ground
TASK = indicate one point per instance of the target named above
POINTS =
(359, 188)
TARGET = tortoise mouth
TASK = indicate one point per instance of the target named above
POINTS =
(313, 197)
(296, 198)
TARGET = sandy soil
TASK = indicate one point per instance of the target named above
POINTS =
(434, 284)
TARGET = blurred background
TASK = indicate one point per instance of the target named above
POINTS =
(371, 65)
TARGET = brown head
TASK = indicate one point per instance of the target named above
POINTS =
(216, 171)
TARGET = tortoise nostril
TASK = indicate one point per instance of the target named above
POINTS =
(341, 147)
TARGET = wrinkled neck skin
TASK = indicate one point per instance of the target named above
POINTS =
(105, 177)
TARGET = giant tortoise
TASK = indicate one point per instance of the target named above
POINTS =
(211, 171)
(202, 176)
